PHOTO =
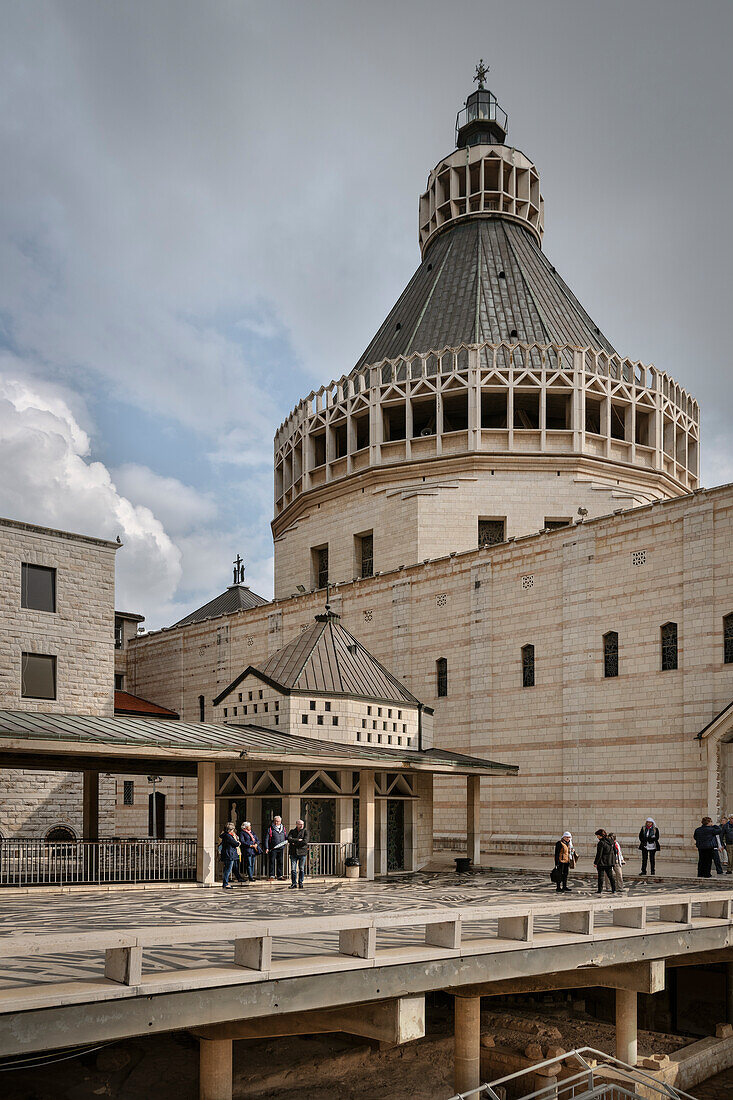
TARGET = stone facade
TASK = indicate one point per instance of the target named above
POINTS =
(79, 633)
(591, 750)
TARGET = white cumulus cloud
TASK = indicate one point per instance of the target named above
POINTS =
(48, 477)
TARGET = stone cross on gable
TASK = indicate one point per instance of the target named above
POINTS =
(238, 570)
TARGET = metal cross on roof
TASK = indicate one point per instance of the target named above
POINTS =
(482, 72)
(238, 570)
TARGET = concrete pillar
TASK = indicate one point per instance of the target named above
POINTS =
(90, 806)
(215, 1069)
(206, 825)
(366, 824)
(626, 1039)
(291, 798)
(473, 819)
(467, 1043)
(345, 811)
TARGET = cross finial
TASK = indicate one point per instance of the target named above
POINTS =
(481, 73)
(238, 570)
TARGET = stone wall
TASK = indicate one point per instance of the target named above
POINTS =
(32, 803)
(591, 751)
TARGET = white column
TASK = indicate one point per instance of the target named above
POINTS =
(473, 819)
(381, 845)
(626, 1040)
(206, 824)
(291, 797)
(366, 824)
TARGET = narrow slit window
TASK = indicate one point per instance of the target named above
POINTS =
(610, 654)
(669, 646)
(728, 639)
(441, 675)
(528, 666)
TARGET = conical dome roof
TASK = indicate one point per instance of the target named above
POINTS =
(483, 279)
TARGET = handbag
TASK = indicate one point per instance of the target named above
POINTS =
(555, 875)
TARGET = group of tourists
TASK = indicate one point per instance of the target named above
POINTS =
(239, 850)
(714, 846)
(609, 858)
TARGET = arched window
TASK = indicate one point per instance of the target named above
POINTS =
(610, 654)
(528, 666)
(441, 675)
(202, 709)
(60, 834)
(728, 639)
(668, 636)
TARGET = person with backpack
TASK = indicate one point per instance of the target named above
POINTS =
(250, 848)
(648, 844)
(298, 849)
(604, 860)
(230, 852)
(275, 844)
(565, 858)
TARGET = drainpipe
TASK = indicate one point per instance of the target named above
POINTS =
(419, 726)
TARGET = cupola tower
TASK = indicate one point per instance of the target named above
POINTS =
(487, 405)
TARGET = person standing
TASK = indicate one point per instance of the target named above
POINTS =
(648, 844)
(230, 853)
(706, 838)
(275, 844)
(565, 858)
(298, 849)
(618, 862)
(604, 860)
(250, 848)
(728, 841)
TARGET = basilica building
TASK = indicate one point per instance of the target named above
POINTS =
(490, 543)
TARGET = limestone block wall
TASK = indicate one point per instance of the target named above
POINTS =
(437, 511)
(129, 821)
(80, 634)
(32, 803)
(591, 751)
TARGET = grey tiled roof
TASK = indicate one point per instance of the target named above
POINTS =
(188, 741)
(457, 296)
(327, 658)
(238, 597)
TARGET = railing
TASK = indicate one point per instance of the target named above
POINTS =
(324, 861)
(31, 862)
(599, 1077)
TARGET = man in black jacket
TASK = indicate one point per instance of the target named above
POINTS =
(604, 860)
(298, 850)
(706, 838)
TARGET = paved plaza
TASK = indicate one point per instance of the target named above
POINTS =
(105, 910)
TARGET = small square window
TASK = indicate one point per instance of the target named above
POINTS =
(319, 719)
(409, 742)
(394, 727)
(379, 739)
(389, 740)
(259, 694)
(384, 725)
(38, 588)
(304, 719)
(313, 704)
(404, 727)
(128, 792)
(335, 719)
(244, 709)
(267, 705)
(250, 696)
(369, 710)
(235, 712)
(327, 705)
(389, 713)
(374, 725)
(399, 715)
(277, 705)
(399, 740)
(277, 719)
(240, 697)
(363, 723)
(119, 681)
(254, 708)
(379, 711)
(225, 712)
(369, 737)
(358, 735)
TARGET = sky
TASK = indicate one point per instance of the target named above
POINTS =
(207, 209)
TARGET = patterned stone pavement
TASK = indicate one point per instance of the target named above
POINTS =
(91, 910)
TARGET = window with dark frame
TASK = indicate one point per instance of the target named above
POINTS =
(728, 639)
(491, 532)
(38, 676)
(128, 792)
(37, 587)
(610, 654)
(119, 681)
(441, 675)
(119, 634)
(202, 709)
(668, 636)
(366, 555)
(320, 566)
(528, 666)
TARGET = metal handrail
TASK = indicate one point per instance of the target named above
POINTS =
(585, 1076)
(37, 862)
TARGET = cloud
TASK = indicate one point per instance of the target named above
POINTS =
(179, 507)
(50, 479)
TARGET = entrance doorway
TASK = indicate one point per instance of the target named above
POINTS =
(156, 815)
(395, 834)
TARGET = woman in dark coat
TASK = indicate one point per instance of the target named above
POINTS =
(648, 844)
(604, 860)
(230, 852)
